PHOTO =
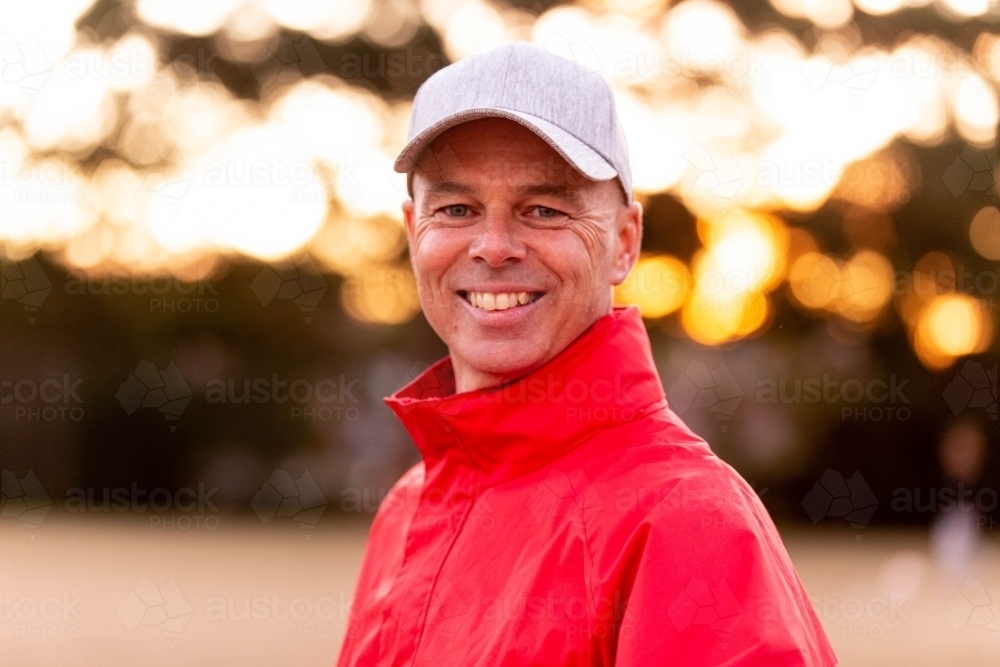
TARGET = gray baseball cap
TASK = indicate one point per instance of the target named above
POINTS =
(568, 105)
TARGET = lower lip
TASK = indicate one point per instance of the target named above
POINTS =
(501, 317)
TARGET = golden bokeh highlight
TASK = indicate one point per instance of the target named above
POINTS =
(866, 287)
(657, 284)
(384, 294)
(814, 279)
(858, 289)
(347, 245)
(882, 182)
(743, 258)
(984, 233)
(715, 321)
(951, 326)
(723, 296)
(157, 166)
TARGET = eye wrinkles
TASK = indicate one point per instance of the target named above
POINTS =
(542, 204)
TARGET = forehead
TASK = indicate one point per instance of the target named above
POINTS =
(495, 152)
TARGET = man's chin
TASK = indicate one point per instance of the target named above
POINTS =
(500, 360)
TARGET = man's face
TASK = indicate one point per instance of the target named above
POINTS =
(514, 251)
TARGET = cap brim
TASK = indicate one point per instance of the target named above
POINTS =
(584, 159)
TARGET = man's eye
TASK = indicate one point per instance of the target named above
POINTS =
(456, 210)
(546, 212)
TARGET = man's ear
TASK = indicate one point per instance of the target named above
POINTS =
(628, 241)
(408, 220)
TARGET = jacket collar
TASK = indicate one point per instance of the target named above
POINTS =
(604, 377)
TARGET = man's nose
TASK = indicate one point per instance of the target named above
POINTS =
(499, 242)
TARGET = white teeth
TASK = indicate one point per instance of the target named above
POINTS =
(499, 300)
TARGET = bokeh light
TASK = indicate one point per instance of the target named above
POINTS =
(984, 232)
(951, 326)
(746, 126)
(208, 185)
(381, 295)
(657, 284)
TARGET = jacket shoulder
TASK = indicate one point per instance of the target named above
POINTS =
(672, 526)
(655, 450)
(668, 478)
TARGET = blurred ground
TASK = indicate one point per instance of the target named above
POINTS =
(94, 592)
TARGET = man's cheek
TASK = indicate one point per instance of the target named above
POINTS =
(430, 262)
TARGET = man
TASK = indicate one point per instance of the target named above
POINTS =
(563, 514)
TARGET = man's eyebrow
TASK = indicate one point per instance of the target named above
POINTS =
(449, 188)
(547, 189)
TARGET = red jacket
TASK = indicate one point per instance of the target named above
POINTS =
(571, 518)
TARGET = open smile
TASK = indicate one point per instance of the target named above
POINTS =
(498, 301)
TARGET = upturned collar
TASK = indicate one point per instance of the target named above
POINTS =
(603, 378)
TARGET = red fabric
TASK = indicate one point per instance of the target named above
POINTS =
(571, 518)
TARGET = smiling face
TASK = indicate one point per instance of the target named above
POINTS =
(514, 251)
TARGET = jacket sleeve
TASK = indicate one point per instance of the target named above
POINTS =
(708, 583)
(382, 558)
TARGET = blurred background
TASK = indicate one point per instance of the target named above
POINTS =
(206, 294)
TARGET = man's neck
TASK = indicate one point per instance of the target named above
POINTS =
(468, 378)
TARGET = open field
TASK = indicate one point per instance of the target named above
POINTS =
(122, 593)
